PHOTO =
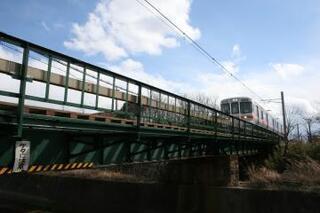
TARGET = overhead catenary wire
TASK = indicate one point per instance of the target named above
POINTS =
(201, 49)
(272, 100)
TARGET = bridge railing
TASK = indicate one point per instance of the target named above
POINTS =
(41, 77)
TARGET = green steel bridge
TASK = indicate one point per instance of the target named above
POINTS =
(75, 114)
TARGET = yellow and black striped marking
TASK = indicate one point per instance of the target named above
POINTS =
(51, 167)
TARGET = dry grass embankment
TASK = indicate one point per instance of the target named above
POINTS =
(299, 170)
(132, 172)
(100, 174)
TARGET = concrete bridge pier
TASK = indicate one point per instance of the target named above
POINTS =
(206, 170)
(210, 170)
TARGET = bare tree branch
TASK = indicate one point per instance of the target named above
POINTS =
(211, 101)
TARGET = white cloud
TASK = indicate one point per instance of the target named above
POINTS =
(233, 64)
(10, 55)
(58, 26)
(236, 52)
(299, 89)
(120, 28)
(302, 91)
(135, 69)
(286, 71)
(264, 82)
(45, 26)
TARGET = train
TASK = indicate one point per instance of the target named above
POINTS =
(243, 107)
(247, 109)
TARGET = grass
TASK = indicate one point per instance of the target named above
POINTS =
(148, 172)
(299, 169)
(100, 174)
(299, 175)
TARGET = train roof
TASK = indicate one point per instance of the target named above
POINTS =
(226, 100)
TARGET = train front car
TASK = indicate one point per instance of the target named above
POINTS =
(246, 109)
(241, 107)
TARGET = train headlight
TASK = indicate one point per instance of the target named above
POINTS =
(245, 117)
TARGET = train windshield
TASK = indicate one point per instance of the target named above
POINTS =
(225, 108)
(235, 108)
(246, 107)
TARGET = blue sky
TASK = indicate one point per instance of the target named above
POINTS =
(271, 45)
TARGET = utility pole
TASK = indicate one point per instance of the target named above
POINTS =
(284, 116)
(298, 132)
(284, 125)
(309, 131)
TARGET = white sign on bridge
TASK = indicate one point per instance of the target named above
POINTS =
(22, 156)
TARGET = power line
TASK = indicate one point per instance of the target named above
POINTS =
(201, 49)
(157, 15)
(271, 99)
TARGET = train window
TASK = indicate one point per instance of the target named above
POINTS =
(258, 112)
(261, 115)
(246, 107)
(225, 108)
(235, 108)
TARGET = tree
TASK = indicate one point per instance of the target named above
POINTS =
(204, 99)
(318, 112)
(294, 115)
(308, 128)
(312, 123)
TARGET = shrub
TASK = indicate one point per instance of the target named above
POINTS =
(263, 176)
(276, 161)
(313, 151)
(305, 173)
(299, 168)
(296, 152)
